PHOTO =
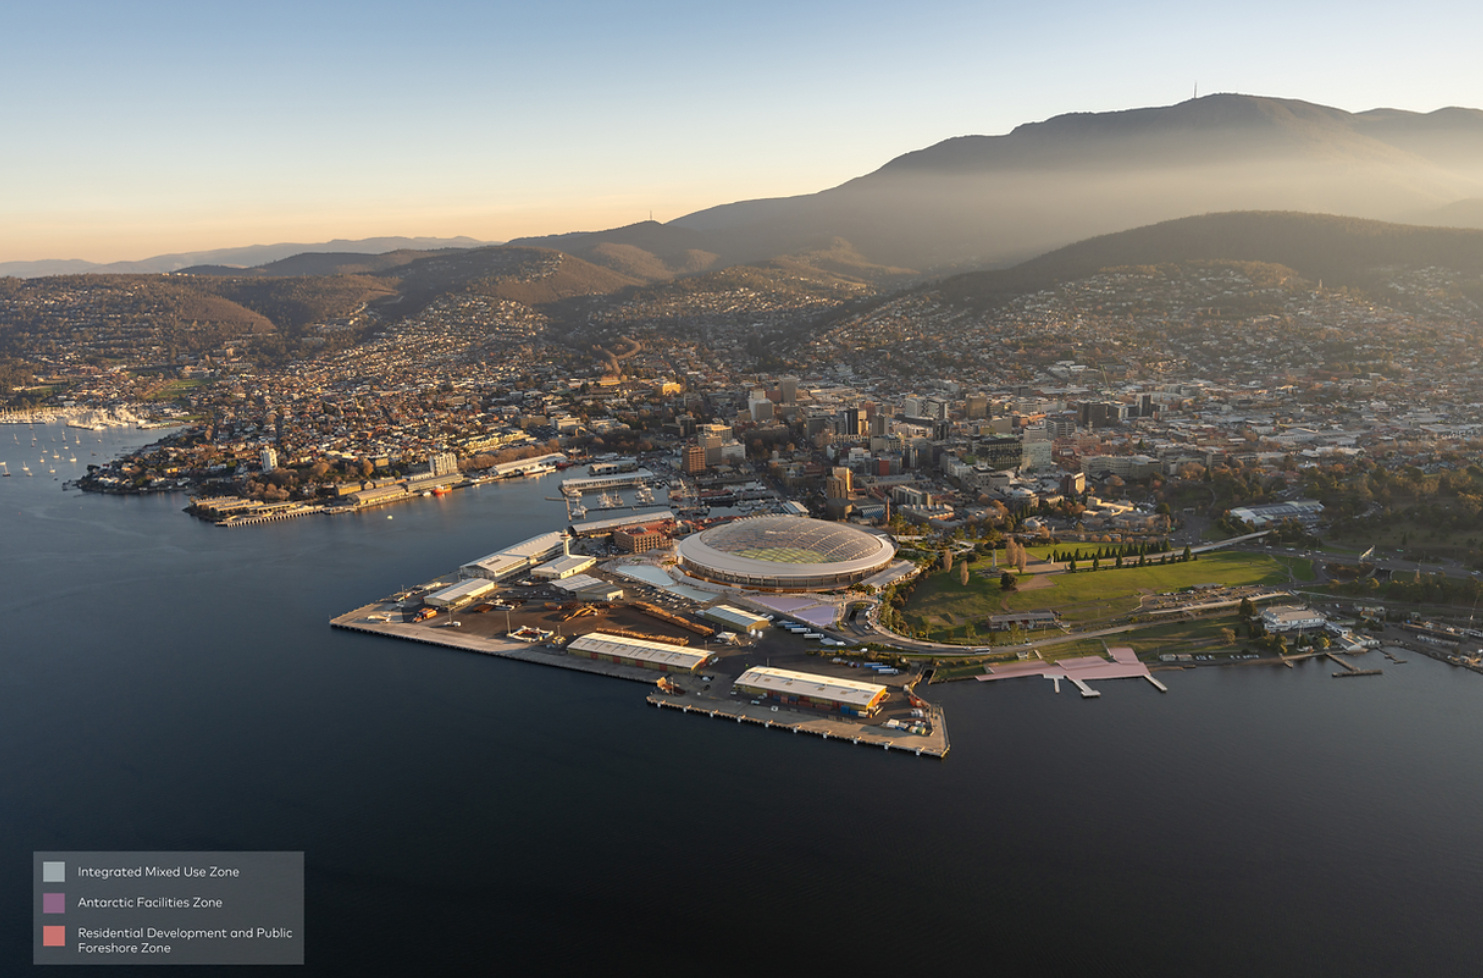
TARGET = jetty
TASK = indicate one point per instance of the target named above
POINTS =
(829, 727)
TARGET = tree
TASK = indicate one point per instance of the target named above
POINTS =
(1007, 582)
(963, 573)
(1247, 609)
(1228, 635)
(1186, 556)
(947, 560)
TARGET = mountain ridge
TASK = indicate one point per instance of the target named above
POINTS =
(994, 200)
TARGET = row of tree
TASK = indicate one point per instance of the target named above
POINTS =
(1109, 553)
(1144, 560)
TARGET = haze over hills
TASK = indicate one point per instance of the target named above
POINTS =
(991, 200)
(1340, 251)
(967, 203)
(237, 258)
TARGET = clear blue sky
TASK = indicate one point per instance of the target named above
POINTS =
(137, 128)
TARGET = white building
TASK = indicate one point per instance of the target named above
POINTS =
(514, 559)
(563, 567)
(1291, 619)
(456, 595)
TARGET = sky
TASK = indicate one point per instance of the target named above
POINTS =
(132, 128)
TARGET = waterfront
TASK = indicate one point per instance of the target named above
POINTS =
(171, 686)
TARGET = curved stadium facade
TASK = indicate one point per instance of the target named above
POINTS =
(785, 553)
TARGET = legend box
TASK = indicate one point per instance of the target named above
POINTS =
(168, 908)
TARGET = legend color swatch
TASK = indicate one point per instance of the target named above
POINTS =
(168, 908)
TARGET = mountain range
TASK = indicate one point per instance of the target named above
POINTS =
(984, 202)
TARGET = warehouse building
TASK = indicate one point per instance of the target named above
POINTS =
(603, 527)
(563, 567)
(1302, 510)
(516, 558)
(735, 619)
(460, 594)
(627, 651)
(806, 689)
(589, 588)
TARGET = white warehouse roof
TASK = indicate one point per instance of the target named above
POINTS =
(659, 653)
(808, 684)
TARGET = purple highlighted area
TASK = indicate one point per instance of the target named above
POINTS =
(811, 610)
(53, 903)
(823, 615)
(786, 605)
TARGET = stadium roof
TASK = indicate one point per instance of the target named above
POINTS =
(787, 551)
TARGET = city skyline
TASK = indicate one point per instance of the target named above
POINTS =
(167, 127)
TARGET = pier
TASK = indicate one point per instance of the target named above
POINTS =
(274, 517)
(829, 727)
(1087, 692)
(360, 620)
(597, 483)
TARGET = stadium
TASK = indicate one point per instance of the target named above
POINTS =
(785, 553)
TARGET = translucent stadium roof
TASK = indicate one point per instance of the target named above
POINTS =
(785, 551)
(792, 540)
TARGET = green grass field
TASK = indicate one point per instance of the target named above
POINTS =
(1301, 567)
(940, 601)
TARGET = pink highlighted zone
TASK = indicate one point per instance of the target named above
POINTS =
(786, 605)
(1124, 665)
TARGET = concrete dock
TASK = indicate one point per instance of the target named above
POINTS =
(827, 726)
(1087, 692)
(370, 620)
(359, 620)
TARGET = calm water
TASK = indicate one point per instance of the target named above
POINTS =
(170, 685)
